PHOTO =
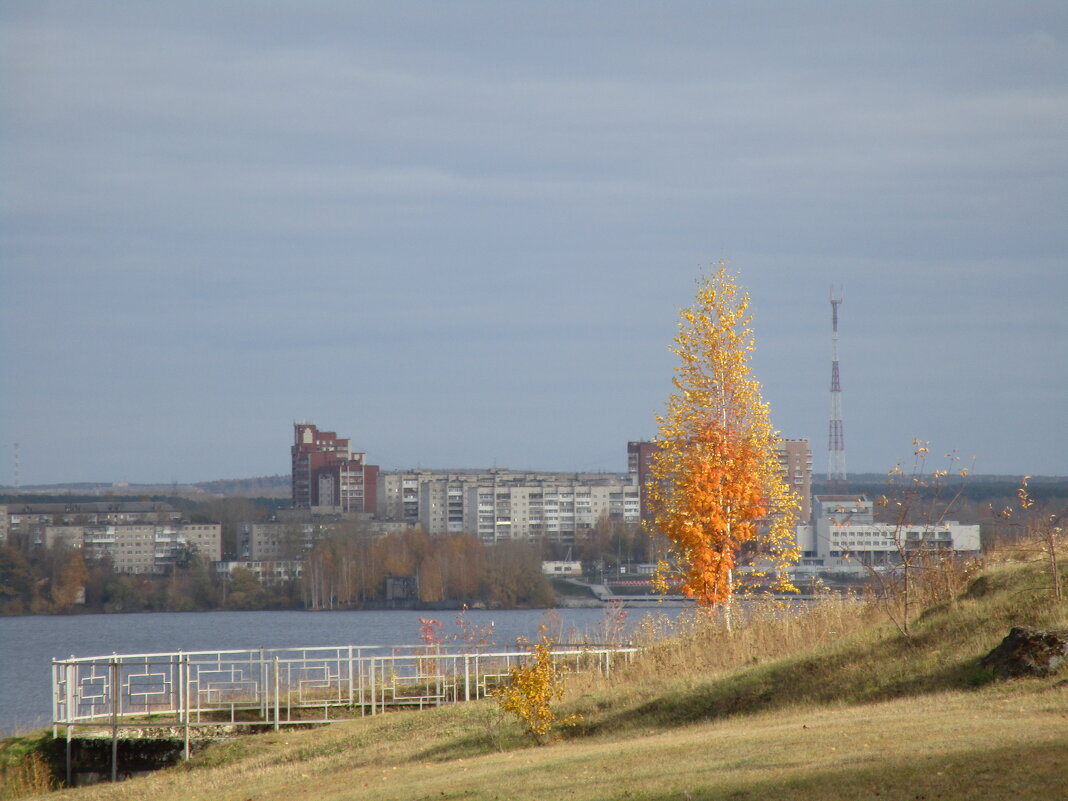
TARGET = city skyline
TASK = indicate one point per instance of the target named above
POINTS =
(461, 235)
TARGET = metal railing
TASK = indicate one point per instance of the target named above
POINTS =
(284, 686)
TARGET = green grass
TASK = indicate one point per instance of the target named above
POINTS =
(833, 704)
(24, 765)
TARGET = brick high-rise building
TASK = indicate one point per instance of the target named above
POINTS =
(327, 473)
(639, 455)
(794, 455)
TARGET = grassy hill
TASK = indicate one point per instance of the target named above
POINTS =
(832, 704)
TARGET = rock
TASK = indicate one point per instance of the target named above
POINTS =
(1028, 652)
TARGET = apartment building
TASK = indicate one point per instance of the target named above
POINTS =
(556, 509)
(500, 504)
(795, 459)
(140, 547)
(398, 495)
(296, 531)
(26, 523)
(328, 476)
(639, 458)
(277, 540)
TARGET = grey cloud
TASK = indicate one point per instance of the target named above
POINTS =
(452, 210)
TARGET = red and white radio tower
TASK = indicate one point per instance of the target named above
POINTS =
(836, 465)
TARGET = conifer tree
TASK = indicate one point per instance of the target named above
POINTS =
(716, 484)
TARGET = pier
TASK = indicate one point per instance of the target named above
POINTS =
(180, 697)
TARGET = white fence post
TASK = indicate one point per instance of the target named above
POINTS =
(351, 685)
(183, 714)
(373, 677)
(467, 677)
(114, 682)
(277, 676)
(55, 698)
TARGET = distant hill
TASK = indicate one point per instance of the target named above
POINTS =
(976, 487)
(259, 487)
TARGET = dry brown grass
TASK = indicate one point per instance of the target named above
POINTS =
(23, 771)
(700, 644)
(1004, 742)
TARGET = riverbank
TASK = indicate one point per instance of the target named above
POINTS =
(29, 644)
(835, 702)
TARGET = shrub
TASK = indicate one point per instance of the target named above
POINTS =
(532, 688)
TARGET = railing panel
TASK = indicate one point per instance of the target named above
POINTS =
(206, 688)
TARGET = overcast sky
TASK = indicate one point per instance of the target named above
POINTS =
(460, 233)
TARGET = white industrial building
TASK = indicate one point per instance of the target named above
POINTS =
(844, 536)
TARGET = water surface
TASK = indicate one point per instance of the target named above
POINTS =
(28, 644)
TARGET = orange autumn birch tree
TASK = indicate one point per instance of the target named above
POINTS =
(716, 486)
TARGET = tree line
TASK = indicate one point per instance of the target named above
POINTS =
(345, 569)
(60, 580)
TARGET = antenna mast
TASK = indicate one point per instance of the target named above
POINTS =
(836, 466)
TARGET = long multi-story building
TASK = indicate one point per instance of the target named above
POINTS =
(26, 523)
(558, 509)
(328, 475)
(276, 540)
(295, 531)
(498, 505)
(141, 548)
(137, 537)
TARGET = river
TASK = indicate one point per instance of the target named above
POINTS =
(28, 644)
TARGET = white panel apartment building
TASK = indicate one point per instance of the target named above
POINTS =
(138, 537)
(262, 542)
(138, 547)
(27, 522)
(398, 495)
(551, 509)
(297, 531)
(502, 505)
